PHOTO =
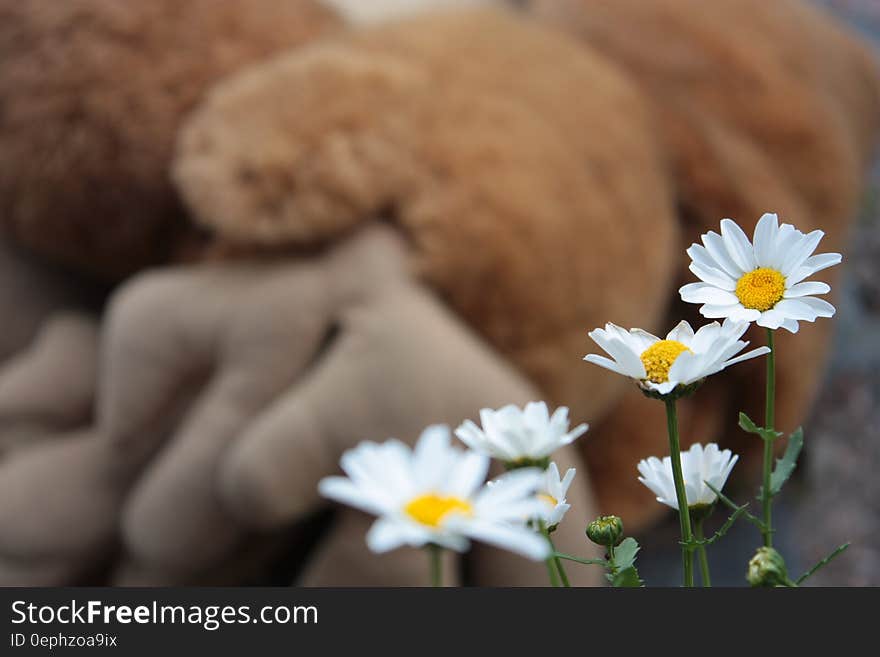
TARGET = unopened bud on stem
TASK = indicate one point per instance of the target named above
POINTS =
(767, 568)
(606, 531)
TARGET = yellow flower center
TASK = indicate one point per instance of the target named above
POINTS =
(760, 289)
(430, 509)
(659, 357)
(552, 501)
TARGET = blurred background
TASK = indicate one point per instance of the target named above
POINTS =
(836, 480)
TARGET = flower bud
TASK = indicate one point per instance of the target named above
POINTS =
(767, 568)
(606, 531)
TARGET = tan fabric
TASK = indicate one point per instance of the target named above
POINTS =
(60, 505)
(279, 403)
(52, 382)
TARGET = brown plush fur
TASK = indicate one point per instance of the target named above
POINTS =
(92, 93)
(528, 184)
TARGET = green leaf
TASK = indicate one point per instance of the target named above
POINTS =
(785, 466)
(623, 572)
(628, 578)
(747, 425)
(625, 554)
(727, 525)
(736, 508)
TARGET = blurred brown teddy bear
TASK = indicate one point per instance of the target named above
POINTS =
(355, 232)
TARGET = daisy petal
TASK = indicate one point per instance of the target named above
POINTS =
(661, 388)
(513, 485)
(468, 476)
(431, 450)
(698, 464)
(819, 306)
(771, 319)
(345, 491)
(686, 368)
(765, 238)
(451, 541)
(701, 256)
(754, 353)
(628, 360)
(790, 325)
(706, 293)
(470, 434)
(567, 479)
(639, 340)
(734, 311)
(738, 246)
(713, 276)
(797, 309)
(682, 333)
(609, 364)
(521, 540)
(812, 265)
(796, 256)
(714, 244)
(807, 289)
(787, 239)
(387, 534)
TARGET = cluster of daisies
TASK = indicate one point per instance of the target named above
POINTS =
(742, 282)
(436, 493)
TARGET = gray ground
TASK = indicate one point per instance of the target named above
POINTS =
(836, 496)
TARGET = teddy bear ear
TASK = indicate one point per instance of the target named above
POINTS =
(92, 95)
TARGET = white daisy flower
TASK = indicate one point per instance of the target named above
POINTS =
(515, 435)
(760, 281)
(683, 358)
(553, 494)
(699, 464)
(434, 494)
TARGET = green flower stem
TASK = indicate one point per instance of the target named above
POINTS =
(555, 571)
(435, 553)
(684, 515)
(562, 574)
(551, 572)
(586, 562)
(701, 553)
(769, 420)
(554, 566)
